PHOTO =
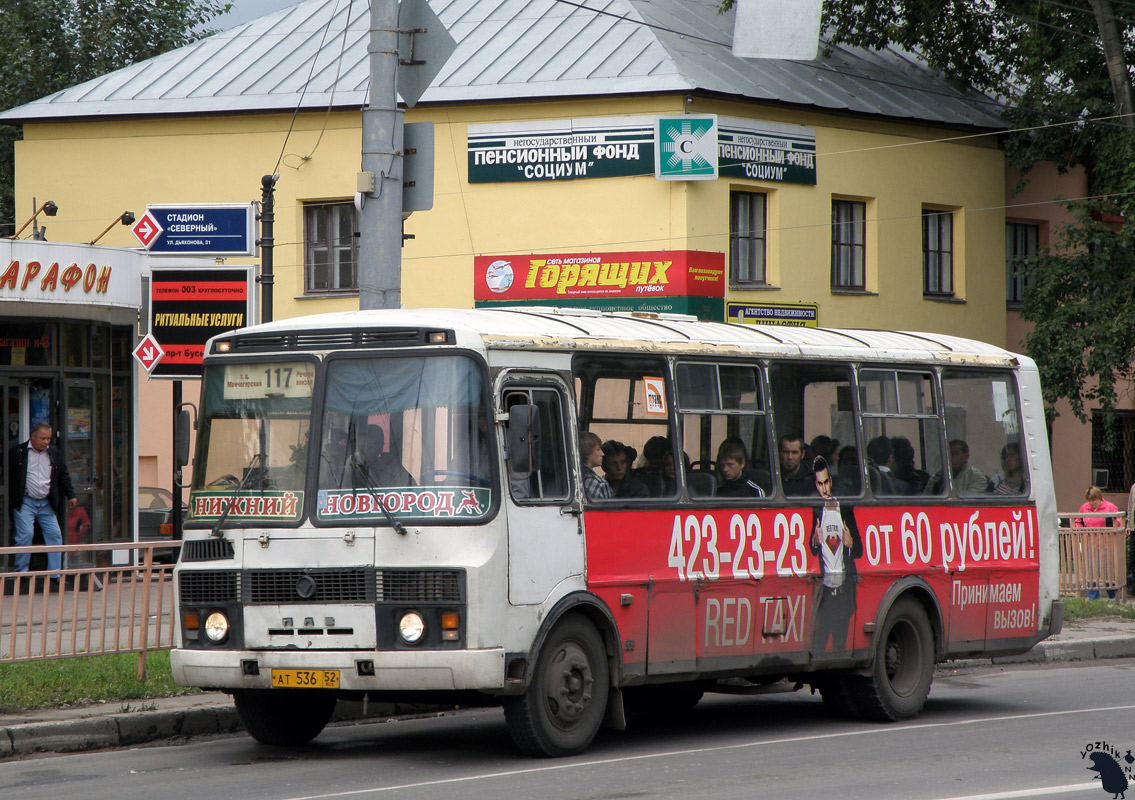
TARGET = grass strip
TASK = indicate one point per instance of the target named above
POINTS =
(85, 680)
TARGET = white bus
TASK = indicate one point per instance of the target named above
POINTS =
(409, 505)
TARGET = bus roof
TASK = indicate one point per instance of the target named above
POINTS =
(548, 328)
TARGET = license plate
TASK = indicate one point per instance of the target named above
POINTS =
(305, 679)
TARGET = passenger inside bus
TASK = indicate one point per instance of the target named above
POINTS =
(968, 480)
(615, 471)
(731, 464)
(904, 467)
(847, 482)
(795, 478)
(382, 467)
(591, 456)
(652, 463)
(880, 458)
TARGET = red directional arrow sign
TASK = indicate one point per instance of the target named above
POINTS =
(147, 230)
(149, 352)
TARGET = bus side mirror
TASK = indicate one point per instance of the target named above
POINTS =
(523, 439)
(181, 438)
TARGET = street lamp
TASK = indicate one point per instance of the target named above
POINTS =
(127, 218)
(49, 208)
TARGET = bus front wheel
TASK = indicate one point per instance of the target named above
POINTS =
(283, 718)
(564, 705)
(899, 682)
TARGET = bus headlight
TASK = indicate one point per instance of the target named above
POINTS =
(411, 627)
(216, 626)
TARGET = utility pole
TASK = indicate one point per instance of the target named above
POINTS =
(380, 182)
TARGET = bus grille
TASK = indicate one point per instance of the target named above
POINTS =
(264, 586)
(332, 339)
(210, 549)
(420, 586)
(208, 587)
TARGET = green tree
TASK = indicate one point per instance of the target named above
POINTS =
(1062, 69)
(50, 45)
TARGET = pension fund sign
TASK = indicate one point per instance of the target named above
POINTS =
(188, 305)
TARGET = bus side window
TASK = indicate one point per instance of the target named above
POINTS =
(724, 430)
(901, 427)
(809, 399)
(983, 429)
(625, 399)
(548, 480)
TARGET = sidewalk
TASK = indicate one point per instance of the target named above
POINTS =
(121, 724)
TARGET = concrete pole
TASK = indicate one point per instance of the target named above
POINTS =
(380, 219)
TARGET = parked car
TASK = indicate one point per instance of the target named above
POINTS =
(155, 520)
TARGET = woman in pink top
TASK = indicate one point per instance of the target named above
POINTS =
(1095, 502)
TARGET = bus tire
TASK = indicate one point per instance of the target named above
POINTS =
(900, 679)
(282, 718)
(564, 705)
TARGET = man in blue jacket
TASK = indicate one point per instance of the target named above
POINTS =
(38, 482)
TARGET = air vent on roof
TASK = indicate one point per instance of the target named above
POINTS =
(336, 340)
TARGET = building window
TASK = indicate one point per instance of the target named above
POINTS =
(330, 248)
(1020, 255)
(848, 244)
(937, 252)
(1113, 468)
(747, 238)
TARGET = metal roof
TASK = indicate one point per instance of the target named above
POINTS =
(564, 329)
(314, 54)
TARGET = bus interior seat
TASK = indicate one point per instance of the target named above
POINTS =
(702, 484)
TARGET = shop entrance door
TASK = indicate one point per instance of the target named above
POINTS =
(80, 454)
(10, 419)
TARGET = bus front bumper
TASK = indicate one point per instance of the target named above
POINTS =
(357, 670)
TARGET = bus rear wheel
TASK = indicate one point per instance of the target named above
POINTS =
(900, 679)
(565, 703)
(282, 718)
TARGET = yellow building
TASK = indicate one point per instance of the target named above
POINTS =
(855, 190)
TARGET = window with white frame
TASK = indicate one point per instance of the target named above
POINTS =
(747, 238)
(849, 237)
(937, 252)
(1020, 254)
(330, 248)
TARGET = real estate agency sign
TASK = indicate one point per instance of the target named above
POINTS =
(188, 305)
(681, 281)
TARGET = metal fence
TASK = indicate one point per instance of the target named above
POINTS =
(88, 609)
(1093, 559)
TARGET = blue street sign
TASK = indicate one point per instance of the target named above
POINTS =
(213, 229)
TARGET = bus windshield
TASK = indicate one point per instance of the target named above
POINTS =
(410, 434)
(252, 442)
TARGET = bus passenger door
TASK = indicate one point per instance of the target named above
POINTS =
(545, 542)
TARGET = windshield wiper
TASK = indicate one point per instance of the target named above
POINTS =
(363, 471)
(257, 459)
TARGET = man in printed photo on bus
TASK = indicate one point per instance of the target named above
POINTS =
(591, 456)
(835, 541)
(795, 477)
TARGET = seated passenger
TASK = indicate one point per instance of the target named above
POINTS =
(904, 467)
(827, 448)
(968, 480)
(795, 478)
(847, 480)
(731, 461)
(591, 456)
(382, 467)
(615, 470)
(881, 459)
(1011, 478)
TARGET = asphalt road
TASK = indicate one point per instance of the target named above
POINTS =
(989, 732)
